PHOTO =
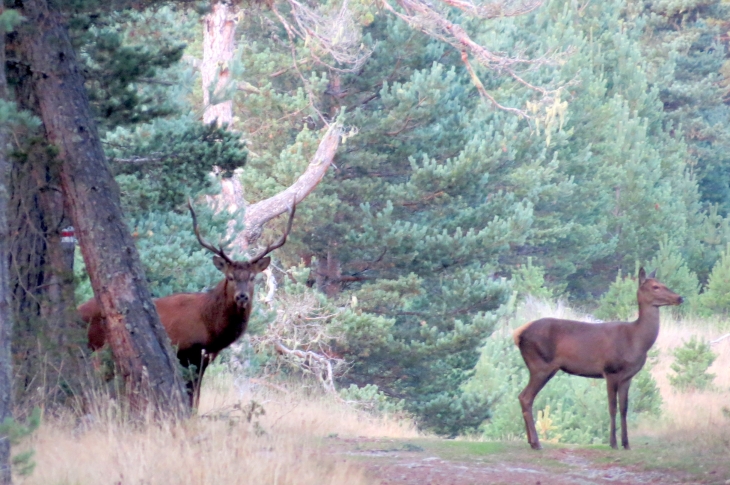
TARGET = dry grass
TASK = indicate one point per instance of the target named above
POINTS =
(697, 414)
(286, 445)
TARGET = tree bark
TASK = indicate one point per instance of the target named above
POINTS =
(6, 323)
(138, 341)
(47, 337)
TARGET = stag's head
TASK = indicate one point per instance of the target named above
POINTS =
(654, 292)
(240, 275)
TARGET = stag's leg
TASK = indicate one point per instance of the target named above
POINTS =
(612, 386)
(192, 359)
(538, 379)
(205, 361)
(623, 401)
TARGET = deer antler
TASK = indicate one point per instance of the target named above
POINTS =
(219, 251)
(281, 240)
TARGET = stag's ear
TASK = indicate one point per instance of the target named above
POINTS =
(261, 264)
(642, 276)
(652, 274)
(220, 263)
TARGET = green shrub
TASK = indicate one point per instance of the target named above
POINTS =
(672, 270)
(691, 362)
(716, 296)
(645, 396)
(528, 279)
(619, 302)
(372, 399)
(16, 432)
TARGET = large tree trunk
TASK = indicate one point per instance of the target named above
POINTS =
(138, 341)
(6, 323)
(47, 337)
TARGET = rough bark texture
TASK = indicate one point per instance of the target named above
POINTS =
(6, 323)
(137, 339)
(48, 339)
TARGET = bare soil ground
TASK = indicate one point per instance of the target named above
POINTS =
(444, 462)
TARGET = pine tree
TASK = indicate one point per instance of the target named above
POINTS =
(687, 55)
(130, 83)
(438, 195)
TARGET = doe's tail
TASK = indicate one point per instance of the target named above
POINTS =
(518, 333)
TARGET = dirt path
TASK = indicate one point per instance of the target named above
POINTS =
(434, 462)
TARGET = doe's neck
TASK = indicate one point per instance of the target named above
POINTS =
(647, 325)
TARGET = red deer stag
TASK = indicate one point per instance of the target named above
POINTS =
(615, 351)
(200, 325)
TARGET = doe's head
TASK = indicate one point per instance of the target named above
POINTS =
(654, 292)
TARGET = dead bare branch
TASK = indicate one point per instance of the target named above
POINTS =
(261, 212)
(332, 34)
(302, 338)
(491, 10)
(424, 16)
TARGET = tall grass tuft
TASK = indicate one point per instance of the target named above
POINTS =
(244, 433)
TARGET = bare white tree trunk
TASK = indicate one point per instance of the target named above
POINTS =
(218, 47)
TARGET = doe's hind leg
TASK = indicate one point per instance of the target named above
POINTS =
(538, 379)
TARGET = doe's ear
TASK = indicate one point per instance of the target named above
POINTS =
(219, 263)
(642, 276)
(652, 274)
(261, 264)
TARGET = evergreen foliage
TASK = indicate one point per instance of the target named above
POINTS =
(716, 296)
(439, 194)
(691, 362)
(14, 431)
(159, 164)
(672, 270)
(131, 60)
(683, 42)
(619, 302)
(529, 280)
(440, 209)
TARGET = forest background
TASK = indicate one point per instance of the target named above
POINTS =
(599, 142)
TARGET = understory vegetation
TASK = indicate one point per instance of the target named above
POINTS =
(461, 203)
(288, 431)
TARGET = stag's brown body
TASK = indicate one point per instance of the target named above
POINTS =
(200, 325)
(211, 321)
(614, 351)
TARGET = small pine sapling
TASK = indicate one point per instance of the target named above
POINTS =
(691, 362)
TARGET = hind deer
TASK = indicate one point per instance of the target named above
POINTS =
(200, 325)
(614, 351)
